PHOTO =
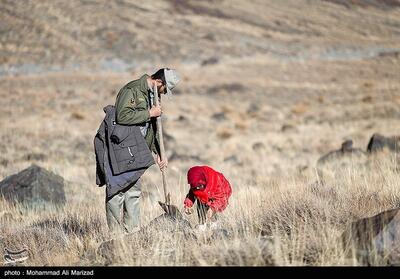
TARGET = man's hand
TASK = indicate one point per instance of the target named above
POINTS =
(162, 163)
(155, 111)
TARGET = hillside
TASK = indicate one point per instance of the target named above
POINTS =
(268, 87)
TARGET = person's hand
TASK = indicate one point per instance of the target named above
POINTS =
(155, 111)
(162, 163)
(188, 210)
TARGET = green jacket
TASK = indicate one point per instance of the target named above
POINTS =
(132, 109)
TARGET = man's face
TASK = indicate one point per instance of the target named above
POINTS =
(161, 87)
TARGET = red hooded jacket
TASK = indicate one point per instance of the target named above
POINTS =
(217, 188)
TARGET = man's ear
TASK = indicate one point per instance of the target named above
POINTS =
(159, 82)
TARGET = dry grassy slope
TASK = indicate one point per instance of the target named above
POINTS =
(303, 66)
(292, 81)
(79, 32)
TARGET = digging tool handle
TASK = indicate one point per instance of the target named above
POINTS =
(162, 149)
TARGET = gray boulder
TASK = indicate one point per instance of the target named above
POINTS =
(375, 240)
(379, 142)
(34, 186)
(331, 164)
(172, 223)
(345, 149)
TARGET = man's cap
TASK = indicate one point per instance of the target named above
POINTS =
(171, 79)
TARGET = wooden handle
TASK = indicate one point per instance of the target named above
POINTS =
(159, 129)
(162, 149)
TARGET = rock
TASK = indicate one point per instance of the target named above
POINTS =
(210, 37)
(220, 116)
(384, 5)
(34, 185)
(177, 91)
(169, 224)
(182, 119)
(288, 127)
(334, 162)
(375, 240)
(277, 148)
(230, 87)
(302, 168)
(210, 61)
(347, 146)
(233, 160)
(77, 115)
(35, 156)
(253, 109)
(4, 162)
(258, 146)
(379, 142)
(183, 157)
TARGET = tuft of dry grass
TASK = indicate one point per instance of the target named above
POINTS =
(224, 133)
(367, 99)
(227, 109)
(77, 115)
(291, 221)
(278, 214)
(299, 108)
(368, 84)
(321, 99)
(241, 125)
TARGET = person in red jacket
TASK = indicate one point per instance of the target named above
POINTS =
(210, 189)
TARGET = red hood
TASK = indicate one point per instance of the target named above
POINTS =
(217, 189)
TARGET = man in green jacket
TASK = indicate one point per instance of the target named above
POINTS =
(135, 105)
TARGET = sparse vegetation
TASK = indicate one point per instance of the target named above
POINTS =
(293, 222)
(268, 87)
(299, 109)
(224, 133)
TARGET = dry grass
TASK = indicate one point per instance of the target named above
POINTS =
(241, 125)
(299, 109)
(290, 221)
(291, 81)
(77, 115)
(224, 133)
